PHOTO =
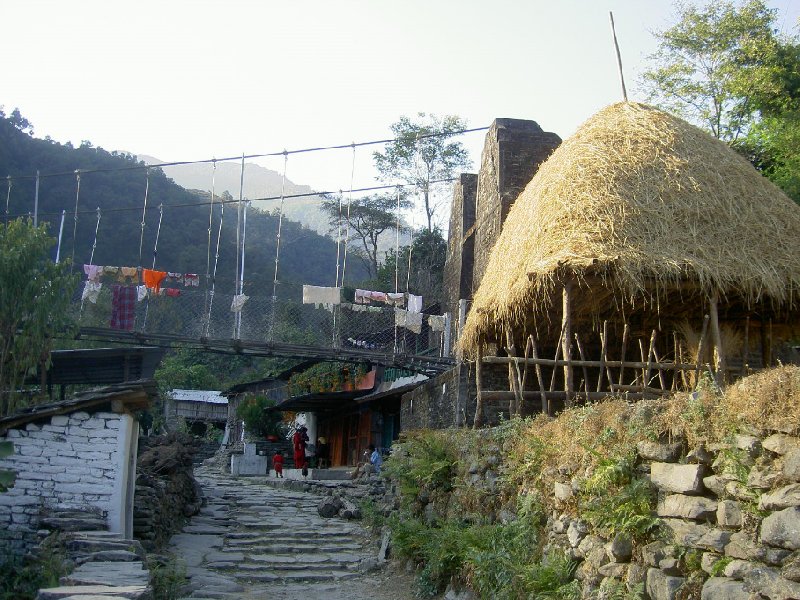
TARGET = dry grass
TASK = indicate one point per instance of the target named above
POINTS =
(768, 400)
(640, 198)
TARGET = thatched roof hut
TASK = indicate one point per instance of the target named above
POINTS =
(641, 212)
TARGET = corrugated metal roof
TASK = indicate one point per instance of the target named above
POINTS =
(207, 396)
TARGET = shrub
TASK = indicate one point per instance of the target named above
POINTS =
(258, 419)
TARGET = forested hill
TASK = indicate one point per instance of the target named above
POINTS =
(116, 184)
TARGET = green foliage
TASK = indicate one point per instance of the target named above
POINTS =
(611, 589)
(428, 253)
(416, 158)
(7, 478)
(371, 515)
(614, 501)
(168, 579)
(718, 568)
(21, 578)
(258, 419)
(427, 460)
(34, 296)
(326, 377)
(734, 462)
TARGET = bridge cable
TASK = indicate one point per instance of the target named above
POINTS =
(210, 223)
(8, 196)
(144, 213)
(238, 320)
(214, 272)
(91, 256)
(75, 217)
(397, 261)
(278, 247)
(239, 274)
(238, 228)
(155, 254)
(347, 219)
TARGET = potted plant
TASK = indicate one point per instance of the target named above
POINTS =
(259, 418)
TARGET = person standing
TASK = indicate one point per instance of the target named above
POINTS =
(277, 463)
(299, 440)
(375, 458)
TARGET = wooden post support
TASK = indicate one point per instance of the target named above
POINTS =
(478, 420)
(514, 377)
(649, 361)
(700, 348)
(555, 365)
(746, 348)
(566, 324)
(535, 356)
(719, 365)
(677, 359)
(585, 370)
(625, 332)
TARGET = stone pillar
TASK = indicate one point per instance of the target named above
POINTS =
(120, 510)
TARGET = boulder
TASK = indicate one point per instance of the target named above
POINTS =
(729, 514)
(696, 508)
(740, 546)
(708, 560)
(749, 443)
(660, 452)
(660, 586)
(782, 529)
(576, 531)
(791, 567)
(722, 588)
(653, 553)
(678, 479)
(329, 507)
(780, 443)
(768, 582)
(791, 465)
(620, 549)
(762, 478)
(784, 497)
(738, 569)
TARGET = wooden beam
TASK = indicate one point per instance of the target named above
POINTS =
(625, 333)
(566, 350)
(549, 362)
(538, 375)
(719, 364)
(700, 349)
(478, 420)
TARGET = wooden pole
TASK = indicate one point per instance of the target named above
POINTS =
(719, 363)
(558, 355)
(644, 362)
(625, 332)
(539, 376)
(700, 348)
(650, 352)
(585, 370)
(514, 376)
(478, 420)
(746, 348)
(619, 57)
(566, 321)
(677, 359)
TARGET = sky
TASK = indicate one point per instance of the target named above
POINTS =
(191, 80)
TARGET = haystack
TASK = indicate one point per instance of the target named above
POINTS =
(642, 211)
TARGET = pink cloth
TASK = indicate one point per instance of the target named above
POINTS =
(93, 272)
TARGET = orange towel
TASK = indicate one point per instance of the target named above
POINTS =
(153, 279)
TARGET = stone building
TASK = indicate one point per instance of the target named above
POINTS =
(76, 454)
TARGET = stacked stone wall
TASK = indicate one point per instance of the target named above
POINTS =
(66, 462)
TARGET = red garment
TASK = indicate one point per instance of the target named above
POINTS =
(277, 464)
(299, 440)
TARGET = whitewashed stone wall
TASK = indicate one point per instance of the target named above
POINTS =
(75, 461)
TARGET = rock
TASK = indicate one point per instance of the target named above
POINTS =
(615, 570)
(620, 548)
(653, 553)
(780, 443)
(740, 546)
(700, 455)
(749, 443)
(781, 498)
(716, 483)
(708, 560)
(369, 565)
(349, 510)
(637, 573)
(660, 586)
(589, 546)
(782, 529)
(722, 588)
(386, 541)
(729, 514)
(560, 525)
(696, 508)
(562, 491)
(791, 465)
(576, 531)
(791, 567)
(670, 566)
(769, 583)
(739, 491)
(738, 569)
(655, 451)
(451, 593)
(762, 478)
(679, 479)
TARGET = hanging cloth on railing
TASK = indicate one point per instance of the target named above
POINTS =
(317, 295)
(238, 302)
(123, 307)
(436, 322)
(91, 290)
(410, 320)
(414, 303)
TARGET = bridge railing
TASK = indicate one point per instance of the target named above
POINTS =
(198, 315)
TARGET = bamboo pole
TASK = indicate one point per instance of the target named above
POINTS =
(556, 362)
(478, 420)
(650, 352)
(676, 358)
(660, 371)
(566, 320)
(719, 363)
(514, 375)
(625, 332)
(641, 354)
(538, 366)
(700, 349)
(585, 371)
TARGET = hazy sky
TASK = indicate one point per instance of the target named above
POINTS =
(186, 80)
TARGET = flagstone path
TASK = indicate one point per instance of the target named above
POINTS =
(252, 541)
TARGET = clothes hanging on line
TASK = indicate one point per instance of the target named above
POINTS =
(123, 307)
(126, 273)
(153, 279)
(91, 290)
(437, 322)
(319, 295)
(93, 272)
(141, 292)
(409, 320)
(414, 303)
(191, 279)
(174, 276)
(111, 271)
(398, 299)
(238, 302)
(173, 293)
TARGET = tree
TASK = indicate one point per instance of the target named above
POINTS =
(367, 218)
(35, 296)
(424, 275)
(714, 64)
(422, 154)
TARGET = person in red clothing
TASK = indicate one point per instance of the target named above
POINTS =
(299, 440)
(277, 464)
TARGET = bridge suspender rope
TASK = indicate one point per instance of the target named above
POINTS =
(278, 249)
(210, 223)
(347, 219)
(144, 212)
(236, 292)
(214, 272)
(155, 254)
(91, 256)
(8, 196)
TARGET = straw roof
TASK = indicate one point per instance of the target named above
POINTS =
(643, 199)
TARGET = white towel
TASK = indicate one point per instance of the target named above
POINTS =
(414, 303)
(91, 291)
(313, 294)
(409, 320)
(436, 322)
(141, 292)
(238, 302)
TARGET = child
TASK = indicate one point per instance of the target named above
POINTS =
(277, 464)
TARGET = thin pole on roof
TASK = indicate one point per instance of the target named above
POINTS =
(619, 57)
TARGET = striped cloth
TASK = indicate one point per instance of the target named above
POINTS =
(123, 307)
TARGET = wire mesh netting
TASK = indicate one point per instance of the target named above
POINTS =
(200, 314)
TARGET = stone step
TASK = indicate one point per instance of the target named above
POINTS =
(108, 574)
(133, 592)
(297, 548)
(269, 577)
(293, 567)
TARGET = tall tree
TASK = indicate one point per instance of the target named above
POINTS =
(423, 153)
(366, 218)
(35, 295)
(714, 65)
(423, 273)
